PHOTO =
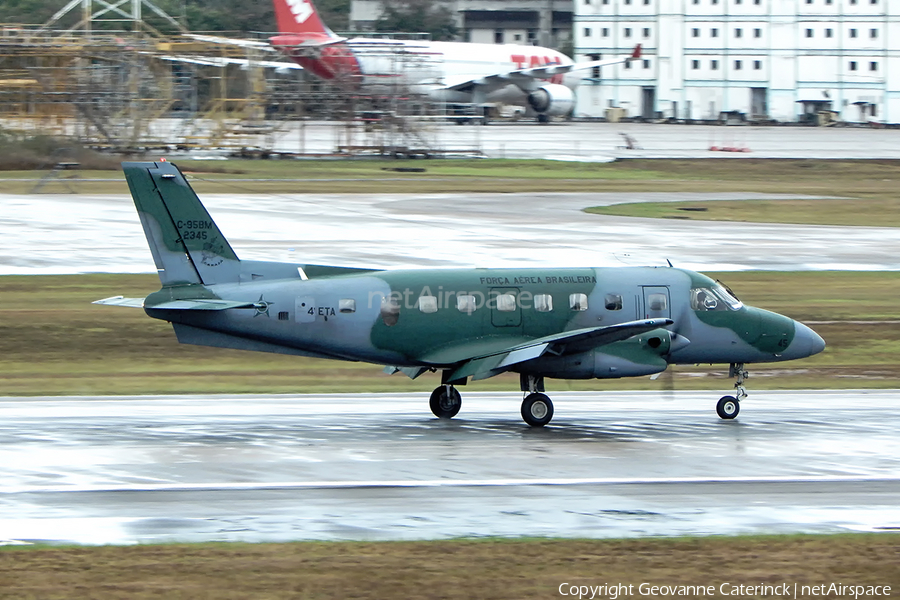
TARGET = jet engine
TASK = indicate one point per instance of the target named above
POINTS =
(552, 99)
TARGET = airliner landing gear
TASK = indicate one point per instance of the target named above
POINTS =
(537, 409)
(728, 407)
(445, 402)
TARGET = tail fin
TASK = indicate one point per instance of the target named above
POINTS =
(187, 245)
(299, 16)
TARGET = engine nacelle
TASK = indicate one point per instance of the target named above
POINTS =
(636, 356)
(552, 99)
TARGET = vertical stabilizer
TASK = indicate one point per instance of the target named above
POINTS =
(300, 16)
(187, 245)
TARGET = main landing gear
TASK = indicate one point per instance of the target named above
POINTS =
(537, 409)
(445, 401)
(728, 407)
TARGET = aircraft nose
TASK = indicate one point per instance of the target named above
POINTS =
(806, 341)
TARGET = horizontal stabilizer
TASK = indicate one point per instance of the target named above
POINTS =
(121, 301)
(202, 304)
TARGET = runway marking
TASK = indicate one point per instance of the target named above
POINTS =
(433, 483)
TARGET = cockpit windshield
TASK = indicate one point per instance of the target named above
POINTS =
(714, 298)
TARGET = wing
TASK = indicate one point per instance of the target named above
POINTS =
(481, 365)
(528, 78)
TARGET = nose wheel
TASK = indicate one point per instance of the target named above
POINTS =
(445, 402)
(728, 407)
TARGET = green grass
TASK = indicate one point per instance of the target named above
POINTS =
(54, 341)
(456, 569)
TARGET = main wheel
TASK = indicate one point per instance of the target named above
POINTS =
(537, 410)
(728, 407)
(445, 402)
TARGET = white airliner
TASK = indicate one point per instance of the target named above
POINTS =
(541, 79)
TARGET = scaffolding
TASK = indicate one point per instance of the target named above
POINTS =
(133, 89)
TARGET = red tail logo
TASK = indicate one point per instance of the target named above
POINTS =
(299, 16)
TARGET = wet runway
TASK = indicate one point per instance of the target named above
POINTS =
(191, 468)
(63, 233)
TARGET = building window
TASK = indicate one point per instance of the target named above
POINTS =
(757, 65)
(646, 2)
(695, 32)
(809, 1)
(852, 1)
(627, 1)
(809, 33)
(714, 65)
(647, 32)
(627, 65)
(737, 1)
(695, 64)
(737, 65)
(587, 1)
(853, 33)
(714, 2)
(757, 2)
(757, 33)
(498, 36)
(828, 1)
(828, 32)
(647, 64)
(714, 32)
(587, 32)
(738, 33)
(627, 32)
(873, 66)
(852, 65)
(696, 1)
(605, 32)
(873, 33)
(605, 1)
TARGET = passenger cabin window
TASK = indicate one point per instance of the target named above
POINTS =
(390, 311)
(347, 305)
(428, 304)
(657, 302)
(543, 302)
(506, 302)
(578, 302)
(465, 303)
(613, 302)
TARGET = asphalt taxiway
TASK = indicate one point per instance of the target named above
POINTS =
(274, 468)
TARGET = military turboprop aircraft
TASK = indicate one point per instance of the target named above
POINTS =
(577, 323)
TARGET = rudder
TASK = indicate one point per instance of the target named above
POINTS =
(186, 244)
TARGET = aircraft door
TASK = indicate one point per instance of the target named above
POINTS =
(305, 309)
(506, 310)
(656, 302)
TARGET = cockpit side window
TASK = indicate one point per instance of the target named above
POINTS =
(715, 298)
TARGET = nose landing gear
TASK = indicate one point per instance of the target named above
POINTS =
(728, 407)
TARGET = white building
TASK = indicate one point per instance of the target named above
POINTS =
(767, 59)
(535, 22)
